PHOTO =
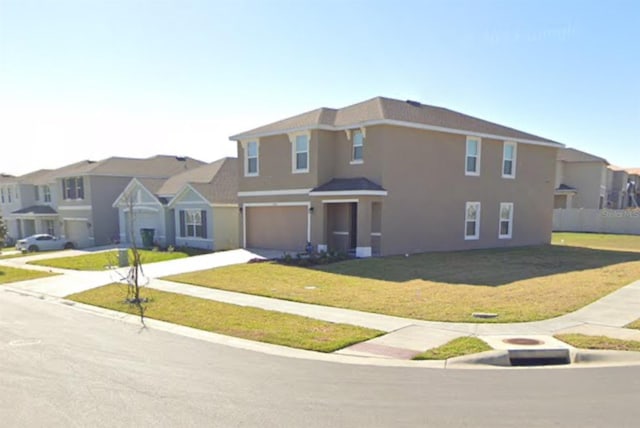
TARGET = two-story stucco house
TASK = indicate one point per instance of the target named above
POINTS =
(75, 201)
(581, 180)
(386, 176)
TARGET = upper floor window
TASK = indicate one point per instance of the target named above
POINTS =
(472, 160)
(46, 193)
(251, 159)
(73, 188)
(358, 145)
(509, 160)
(9, 194)
(472, 221)
(506, 220)
(301, 154)
(2, 194)
(36, 193)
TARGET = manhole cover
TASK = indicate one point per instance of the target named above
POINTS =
(523, 341)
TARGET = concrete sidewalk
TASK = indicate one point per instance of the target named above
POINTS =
(405, 337)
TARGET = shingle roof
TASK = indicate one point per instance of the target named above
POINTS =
(156, 166)
(348, 184)
(565, 187)
(216, 182)
(634, 171)
(36, 209)
(389, 110)
(573, 155)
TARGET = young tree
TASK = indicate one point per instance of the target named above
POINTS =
(135, 277)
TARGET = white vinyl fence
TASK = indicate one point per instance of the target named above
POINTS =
(600, 221)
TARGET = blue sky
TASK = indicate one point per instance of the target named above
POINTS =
(91, 79)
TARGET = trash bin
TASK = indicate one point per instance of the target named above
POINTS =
(147, 237)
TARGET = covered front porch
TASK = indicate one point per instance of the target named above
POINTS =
(347, 217)
(35, 219)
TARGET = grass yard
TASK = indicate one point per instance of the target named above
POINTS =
(456, 348)
(102, 260)
(598, 240)
(239, 321)
(8, 274)
(635, 324)
(599, 342)
(520, 284)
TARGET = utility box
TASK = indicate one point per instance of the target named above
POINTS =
(123, 257)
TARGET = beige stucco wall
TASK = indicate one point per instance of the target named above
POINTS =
(590, 179)
(425, 208)
(226, 225)
(423, 172)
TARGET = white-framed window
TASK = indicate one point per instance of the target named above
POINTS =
(2, 194)
(301, 153)
(472, 158)
(509, 152)
(9, 194)
(251, 166)
(193, 224)
(73, 188)
(36, 193)
(505, 227)
(50, 227)
(357, 151)
(472, 221)
(46, 193)
(17, 193)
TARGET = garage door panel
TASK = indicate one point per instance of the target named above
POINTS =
(278, 228)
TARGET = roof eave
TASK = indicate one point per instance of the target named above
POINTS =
(248, 136)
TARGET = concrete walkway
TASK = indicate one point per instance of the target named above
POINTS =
(405, 337)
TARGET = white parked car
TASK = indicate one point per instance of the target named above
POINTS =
(42, 242)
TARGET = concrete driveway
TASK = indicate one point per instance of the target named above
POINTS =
(71, 281)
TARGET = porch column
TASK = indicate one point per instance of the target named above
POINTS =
(318, 220)
(363, 248)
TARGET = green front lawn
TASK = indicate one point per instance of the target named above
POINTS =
(232, 320)
(598, 240)
(520, 284)
(8, 274)
(599, 342)
(104, 260)
(455, 348)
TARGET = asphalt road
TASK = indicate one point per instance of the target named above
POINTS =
(63, 367)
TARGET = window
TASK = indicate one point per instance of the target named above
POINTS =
(17, 193)
(358, 145)
(49, 227)
(301, 154)
(472, 160)
(193, 224)
(46, 193)
(506, 220)
(2, 194)
(509, 160)
(36, 191)
(251, 165)
(472, 221)
(73, 188)
(9, 194)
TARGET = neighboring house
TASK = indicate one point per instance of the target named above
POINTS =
(196, 208)
(75, 201)
(581, 180)
(617, 185)
(27, 204)
(632, 193)
(392, 177)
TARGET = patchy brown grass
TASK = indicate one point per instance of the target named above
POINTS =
(520, 284)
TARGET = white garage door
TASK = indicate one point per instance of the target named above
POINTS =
(77, 232)
(277, 228)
